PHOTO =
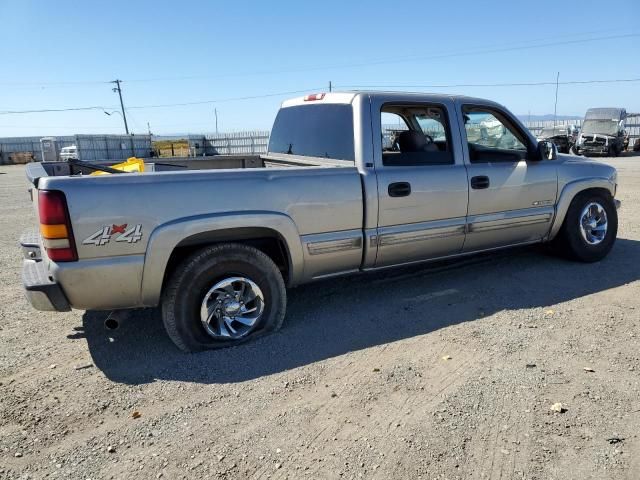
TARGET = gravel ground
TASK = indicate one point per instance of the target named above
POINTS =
(442, 372)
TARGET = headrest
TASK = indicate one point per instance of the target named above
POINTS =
(412, 141)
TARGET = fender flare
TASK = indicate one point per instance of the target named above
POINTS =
(569, 192)
(166, 237)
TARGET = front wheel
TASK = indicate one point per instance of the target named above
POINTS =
(221, 296)
(590, 227)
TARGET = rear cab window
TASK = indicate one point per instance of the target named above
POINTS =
(319, 130)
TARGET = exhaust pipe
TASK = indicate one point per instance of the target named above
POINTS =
(111, 323)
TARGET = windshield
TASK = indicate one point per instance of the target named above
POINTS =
(604, 127)
(551, 132)
(432, 126)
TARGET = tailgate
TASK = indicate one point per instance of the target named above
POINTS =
(37, 170)
(34, 172)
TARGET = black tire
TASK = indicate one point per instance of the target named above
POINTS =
(613, 151)
(191, 280)
(570, 241)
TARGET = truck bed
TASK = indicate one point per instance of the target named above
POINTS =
(226, 162)
(183, 200)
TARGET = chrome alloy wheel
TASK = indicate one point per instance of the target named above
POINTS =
(232, 308)
(593, 223)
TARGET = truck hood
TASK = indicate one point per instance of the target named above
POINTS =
(572, 168)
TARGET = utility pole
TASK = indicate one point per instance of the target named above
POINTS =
(149, 128)
(119, 90)
(330, 86)
(555, 105)
(215, 112)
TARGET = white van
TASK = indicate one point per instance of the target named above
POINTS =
(67, 153)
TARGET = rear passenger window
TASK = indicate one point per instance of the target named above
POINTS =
(324, 131)
(415, 135)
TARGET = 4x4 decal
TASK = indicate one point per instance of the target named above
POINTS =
(118, 233)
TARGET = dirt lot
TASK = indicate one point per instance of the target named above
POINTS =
(441, 372)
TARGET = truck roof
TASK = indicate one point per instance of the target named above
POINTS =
(348, 97)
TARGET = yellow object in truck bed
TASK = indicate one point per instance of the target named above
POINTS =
(132, 164)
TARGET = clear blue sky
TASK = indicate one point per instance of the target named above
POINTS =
(191, 51)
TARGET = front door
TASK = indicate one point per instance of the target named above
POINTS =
(422, 183)
(511, 196)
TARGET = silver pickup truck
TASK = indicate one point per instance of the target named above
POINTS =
(351, 182)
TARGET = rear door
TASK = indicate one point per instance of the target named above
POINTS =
(422, 191)
(511, 195)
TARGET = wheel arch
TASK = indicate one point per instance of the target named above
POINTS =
(275, 234)
(570, 191)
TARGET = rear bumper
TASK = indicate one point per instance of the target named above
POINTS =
(107, 283)
(42, 292)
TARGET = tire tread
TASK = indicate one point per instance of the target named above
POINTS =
(570, 244)
(226, 250)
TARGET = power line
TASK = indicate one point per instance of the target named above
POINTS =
(291, 92)
(512, 84)
(48, 110)
(394, 60)
(54, 84)
(138, 107)
(139, 126)
(59, 126)
(221, 100)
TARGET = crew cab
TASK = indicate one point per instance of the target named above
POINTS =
(352, 182)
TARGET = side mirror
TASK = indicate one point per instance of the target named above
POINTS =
(547, 150)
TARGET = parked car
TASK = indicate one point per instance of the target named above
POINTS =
(603, 132)
(69, 153)
(560, 135)
(216, 249)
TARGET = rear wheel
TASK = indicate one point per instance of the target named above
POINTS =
(590, 227)
(221, 296)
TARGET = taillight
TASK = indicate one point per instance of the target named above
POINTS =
(313, 97)
(55, 226)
